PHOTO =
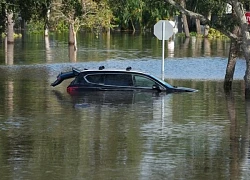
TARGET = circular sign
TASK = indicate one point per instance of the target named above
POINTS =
(158, 29)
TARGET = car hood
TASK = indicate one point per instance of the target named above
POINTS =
(184, 89)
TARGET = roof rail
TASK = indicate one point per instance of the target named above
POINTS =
(101, 67)
(128, 68)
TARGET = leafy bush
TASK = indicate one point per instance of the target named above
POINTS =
(213, 33)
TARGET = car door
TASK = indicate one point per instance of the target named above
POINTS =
(145, 83)
(118, 81)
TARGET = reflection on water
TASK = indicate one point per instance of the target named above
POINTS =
(45, 133)
(48, 50)
(186, 58)
(33, 49)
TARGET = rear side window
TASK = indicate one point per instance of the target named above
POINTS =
(118, 79)
(95, 78)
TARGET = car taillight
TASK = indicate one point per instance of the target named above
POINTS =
(72, 90)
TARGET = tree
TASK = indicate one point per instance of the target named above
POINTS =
(129, 13)
(184, 19)
(140, 14)
(133, 12)
(82, 13)
(102, 18)
(8, 10)
(35, 10)
(207, 8)
(226, 24)
(3, 19)
(245, 45)
(10, 27)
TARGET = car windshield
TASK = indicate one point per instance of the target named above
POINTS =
(163, 82)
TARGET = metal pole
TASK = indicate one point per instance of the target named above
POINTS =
(163, 49)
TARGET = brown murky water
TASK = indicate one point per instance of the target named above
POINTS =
(47, 134)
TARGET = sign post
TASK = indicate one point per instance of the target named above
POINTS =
(163, 30)
(163, 48)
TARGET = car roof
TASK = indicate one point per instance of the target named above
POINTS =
(112, 71)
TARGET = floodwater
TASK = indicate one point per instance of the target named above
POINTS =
(46, 133)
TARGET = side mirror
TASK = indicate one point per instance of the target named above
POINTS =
(156, 87)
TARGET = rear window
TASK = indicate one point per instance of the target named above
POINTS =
(95, 78)
(118, 79)
(110, 79)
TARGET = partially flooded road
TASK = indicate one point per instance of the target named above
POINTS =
(45, 133)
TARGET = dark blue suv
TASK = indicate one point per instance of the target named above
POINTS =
(115, 80)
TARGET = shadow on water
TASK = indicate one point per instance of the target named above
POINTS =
(109, 98)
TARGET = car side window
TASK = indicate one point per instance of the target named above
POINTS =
(141, 81)
(118, 79)
(95, 78)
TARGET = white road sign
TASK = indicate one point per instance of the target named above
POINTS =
(163, 30)
(159, 28)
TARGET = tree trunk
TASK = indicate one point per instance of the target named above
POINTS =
(72, 36)
(233, 55)
(132, 26)
(206, 30)
(247, 78)
(10, 28)
(239, 10)
(246, 50)
(72, 53)
(9, 52)
(198, 26)
(184, 19)
(46, 25)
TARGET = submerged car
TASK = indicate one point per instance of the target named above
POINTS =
(115, 80)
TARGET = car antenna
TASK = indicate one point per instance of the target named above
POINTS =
(101, 67)
(128, 68)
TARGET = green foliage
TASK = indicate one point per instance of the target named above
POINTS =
(61, 26)
(71, 9)
(28, 10)
(35, 27)
(193, 34)
(215, 7)
(140, 14)
(102, 19)
(213, 33)
(97, 15)
(19, 35)
(227, 22)
(3, 17)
